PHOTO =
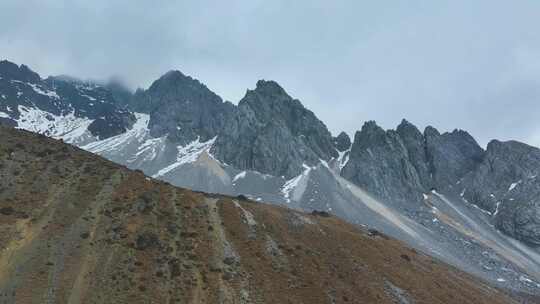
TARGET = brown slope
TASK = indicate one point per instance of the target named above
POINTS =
(75, 228)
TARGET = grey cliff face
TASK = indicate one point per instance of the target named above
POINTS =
(184, 109)
(414, 142)
(505, 163)
(506, 184)
(379, 162)
(451, 156)
(400, 165)
(269, 131)
(274, 134)
(521, 220)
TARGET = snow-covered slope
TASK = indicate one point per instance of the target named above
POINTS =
(71, 129)
(58, 107)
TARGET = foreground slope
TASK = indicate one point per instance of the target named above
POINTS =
(75, 228)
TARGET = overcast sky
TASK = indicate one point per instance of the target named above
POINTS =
(473, 65)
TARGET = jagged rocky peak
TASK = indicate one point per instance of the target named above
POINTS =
(379, 162)
(511, 148)
(407, 129)
(342, 142)
(508, 171)
(268, 95)
(404, 163)
(176, 86)
(451, 156)
(369, 134)
(173, 78)
(172, 87)
(270, 88)
(12, 71)
(513, 159)
(269, 102)
(274, 134)
(182, 108)
(431, 131)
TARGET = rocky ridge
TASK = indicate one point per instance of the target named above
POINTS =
(28, 100)
(86, 230)
(271, 148)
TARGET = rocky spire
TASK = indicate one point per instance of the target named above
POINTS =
(342, 142)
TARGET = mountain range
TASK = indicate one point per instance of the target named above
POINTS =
(76, 228)
(441, 193)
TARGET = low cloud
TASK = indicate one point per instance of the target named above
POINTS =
(451, 64)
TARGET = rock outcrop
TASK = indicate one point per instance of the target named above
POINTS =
(342, 142)
(184, 109)
(450, 156)
(274, 134)
(379, 162)
(506, 184)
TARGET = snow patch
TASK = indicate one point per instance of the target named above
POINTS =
(138, 132)
(149, 149)
(67, 127)
(187, 154)
(239, 176)
(524, 279)
(89, 97)
(3, 115)
(343, 159)
(324, 163)
(496, 208)
(40, 91)
(513, 185)
(291, 184)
